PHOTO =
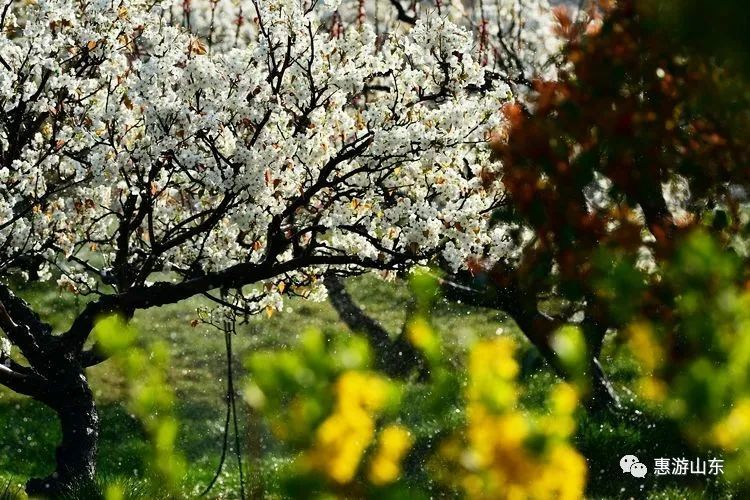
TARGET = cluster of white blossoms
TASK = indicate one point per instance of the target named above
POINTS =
(5, 348)
(516, 40)
(132, 144)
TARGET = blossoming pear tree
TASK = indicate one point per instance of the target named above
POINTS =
(517, 42)
(142, 164)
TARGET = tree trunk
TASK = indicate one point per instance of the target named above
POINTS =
(75, 457)
(603, 395)
(397, 357)
(538, 329)
(56, 377)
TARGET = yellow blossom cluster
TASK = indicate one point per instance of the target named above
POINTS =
(507, 453)
(732, 430)
(706, 354)
(643, 344)
(385, 467)
(342, 439)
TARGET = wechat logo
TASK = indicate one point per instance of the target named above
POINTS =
(630, 463)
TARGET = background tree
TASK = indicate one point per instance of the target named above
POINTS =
(615, 167)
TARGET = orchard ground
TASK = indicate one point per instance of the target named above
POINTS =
(28, 431)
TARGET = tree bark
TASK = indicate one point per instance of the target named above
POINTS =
(398, 357)
(603, 395)
(55, 376)
(75, 457)
(538, 329)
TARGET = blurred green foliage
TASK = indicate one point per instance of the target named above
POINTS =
(696, 358)
(350, 432)
(151, 399)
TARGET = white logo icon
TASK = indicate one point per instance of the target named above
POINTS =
(638, 470)
(630, 463)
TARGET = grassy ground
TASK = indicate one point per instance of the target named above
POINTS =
(28, 431)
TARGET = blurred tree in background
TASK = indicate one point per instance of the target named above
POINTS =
(632, 171)
(718, 30)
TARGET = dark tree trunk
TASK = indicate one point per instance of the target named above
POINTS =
(603, 395)
(73, 402)
(56, 377)
(397, 357)
(538, 329)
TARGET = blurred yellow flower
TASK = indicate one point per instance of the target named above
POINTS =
(734, 429)
(385, 466)
(361, 390)
(422, 336)
(564, 399)
(493, 358)
(492, 369)
(563, 476)
(341, 440)
(642, 342)
(340, 443)
(497, 461)
(652, 388)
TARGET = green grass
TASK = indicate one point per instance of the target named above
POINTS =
(28, 431)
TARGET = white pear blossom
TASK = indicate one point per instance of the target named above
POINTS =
(5, 348)
(138, 139)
